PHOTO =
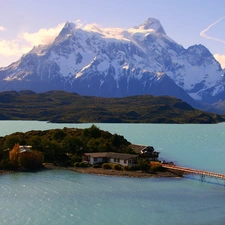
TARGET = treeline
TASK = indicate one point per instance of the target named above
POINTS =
(62, 146)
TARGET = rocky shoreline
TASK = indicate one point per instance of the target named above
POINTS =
(121, 173)
(111, 172)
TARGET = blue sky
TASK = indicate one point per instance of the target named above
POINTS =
(24, 23)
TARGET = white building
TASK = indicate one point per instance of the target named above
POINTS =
(114, 157)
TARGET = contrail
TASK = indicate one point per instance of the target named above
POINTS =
(203, 33)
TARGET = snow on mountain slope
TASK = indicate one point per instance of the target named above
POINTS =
(117, 62)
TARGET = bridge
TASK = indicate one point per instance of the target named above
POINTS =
(203, 174)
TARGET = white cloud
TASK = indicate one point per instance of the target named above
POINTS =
(2, 28)
(24, 42)
(203, 33)
(13, 47)
(43, 36)
(78, 23)
(220, 59)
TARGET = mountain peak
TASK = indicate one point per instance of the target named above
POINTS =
(66, 31)
(68, 27)
(152, 23)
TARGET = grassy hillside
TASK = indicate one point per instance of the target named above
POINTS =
(59, 106)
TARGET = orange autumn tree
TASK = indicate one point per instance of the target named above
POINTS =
(14, 155)
(29, 160)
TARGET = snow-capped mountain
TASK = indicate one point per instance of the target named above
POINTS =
(116, 62)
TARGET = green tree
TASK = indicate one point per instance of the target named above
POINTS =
(35, 142)
(72, 145)
(92, 132)
(11, 140)
(58, 135)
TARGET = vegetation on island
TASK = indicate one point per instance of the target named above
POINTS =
(31, 160)
(64, 107)
(65, 147)
(62, 147)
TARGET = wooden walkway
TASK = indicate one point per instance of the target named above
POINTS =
(194, 171)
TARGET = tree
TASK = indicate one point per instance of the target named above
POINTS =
(14, 156)
(58, 135)
(35, 142)
(92, 132)
(30, 160)
(11, 140)
(72, 145)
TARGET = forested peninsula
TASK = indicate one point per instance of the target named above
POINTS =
(64, 107)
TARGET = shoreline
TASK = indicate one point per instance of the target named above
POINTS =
(173, 173)
(2, 172)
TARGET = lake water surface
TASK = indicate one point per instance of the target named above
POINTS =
(66, 197)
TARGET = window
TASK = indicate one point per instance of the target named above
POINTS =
(95, 159)
(125, 161)
(114, 160)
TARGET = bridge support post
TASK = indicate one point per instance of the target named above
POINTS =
(202, 177)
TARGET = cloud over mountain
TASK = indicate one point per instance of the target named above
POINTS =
(220, 59)
(43, 36)
(25, 41)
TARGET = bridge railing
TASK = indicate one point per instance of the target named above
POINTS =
(194, 171)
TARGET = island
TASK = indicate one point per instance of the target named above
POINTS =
(89, 150)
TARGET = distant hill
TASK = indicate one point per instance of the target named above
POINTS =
(64, 107)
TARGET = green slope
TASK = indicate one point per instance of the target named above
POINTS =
(63, 107)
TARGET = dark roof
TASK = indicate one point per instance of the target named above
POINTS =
(138, 148)
(111, 155)
(97, 154)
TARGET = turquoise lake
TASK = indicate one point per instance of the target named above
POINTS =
(66, 197)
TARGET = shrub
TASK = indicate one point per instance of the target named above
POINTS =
(143, 165)
(68, 163)
(5, 164)
(76, 158)
(83, 164)
(127, 168)
(130, 168)
(96, 165)
(106, 166)
(76, 164)
(117, 167)
(155, 166)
